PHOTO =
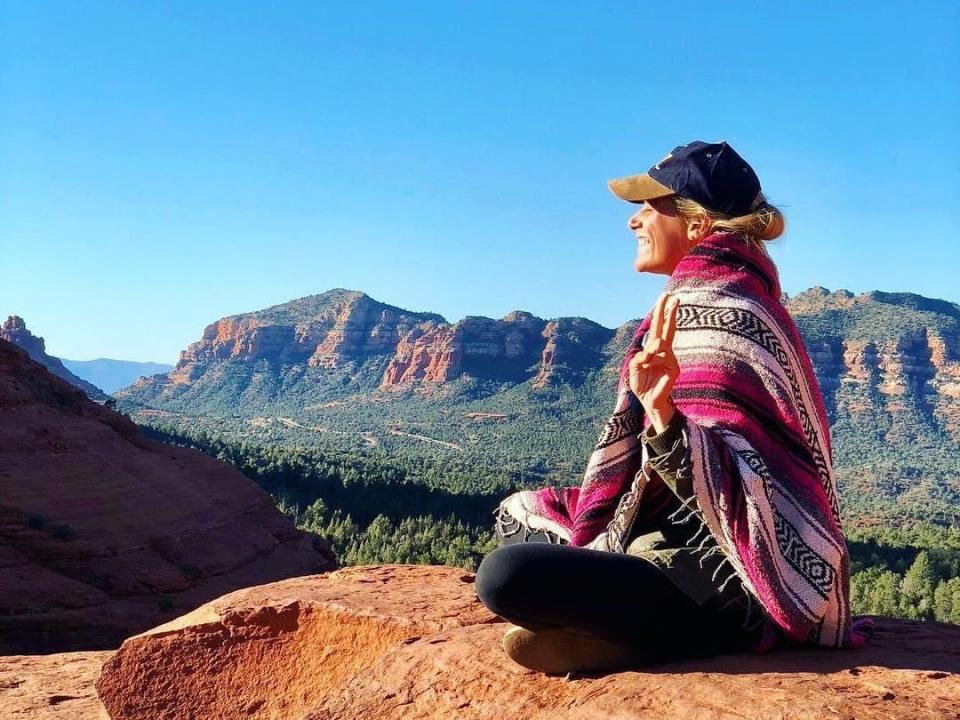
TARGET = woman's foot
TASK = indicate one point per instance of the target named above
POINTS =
(563, 651)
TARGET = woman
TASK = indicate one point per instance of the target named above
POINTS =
(707, 519)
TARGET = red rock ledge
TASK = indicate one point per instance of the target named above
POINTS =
(51, 687)
(413, 642)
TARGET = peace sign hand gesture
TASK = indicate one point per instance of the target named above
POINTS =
(654, 369)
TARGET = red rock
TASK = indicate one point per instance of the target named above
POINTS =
(51, 687)
(428, 353)
(320, 331)
(573, 345)
(515, 348)
(104, 533)
(413, 642)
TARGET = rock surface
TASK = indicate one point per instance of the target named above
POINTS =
(413, 642)
(51, 687)
(104, 533)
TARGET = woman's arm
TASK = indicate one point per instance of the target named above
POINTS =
(668, 453)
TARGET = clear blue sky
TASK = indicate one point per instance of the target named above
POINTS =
(165, 164)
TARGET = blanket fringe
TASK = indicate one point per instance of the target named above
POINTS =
(507, 525)
(715, 550)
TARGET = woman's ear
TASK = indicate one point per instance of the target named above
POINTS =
(697, 229)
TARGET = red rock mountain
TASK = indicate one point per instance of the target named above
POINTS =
(104, 533)
(14, 330)
(341, 326)
(895, 355)
(902, 345)
(320, 331)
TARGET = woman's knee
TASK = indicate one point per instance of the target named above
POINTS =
(500, 577)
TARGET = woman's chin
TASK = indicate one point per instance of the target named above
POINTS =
(644, 266)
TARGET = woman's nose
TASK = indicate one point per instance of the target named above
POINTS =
(634, 221)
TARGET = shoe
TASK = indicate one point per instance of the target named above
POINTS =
(563, 651)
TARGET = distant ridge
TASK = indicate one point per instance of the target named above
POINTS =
(110, 374)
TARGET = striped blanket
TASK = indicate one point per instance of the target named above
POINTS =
(759, 445)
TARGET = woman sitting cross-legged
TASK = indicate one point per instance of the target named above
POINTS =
(707, 520)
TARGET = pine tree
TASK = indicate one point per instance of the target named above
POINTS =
(883, 599)
(917, 588)
(943, 602)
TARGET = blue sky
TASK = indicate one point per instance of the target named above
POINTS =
(166, 164)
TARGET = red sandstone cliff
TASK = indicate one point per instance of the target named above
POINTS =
(904, 347)
(340, 327)
(104, 533)
(892, 360)
(324, 330)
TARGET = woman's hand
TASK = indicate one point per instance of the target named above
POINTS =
(654, 369)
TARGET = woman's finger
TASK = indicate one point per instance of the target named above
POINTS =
(656, 322)
(665, 312)
(670, 324)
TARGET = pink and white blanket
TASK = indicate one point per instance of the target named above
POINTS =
(759, 445)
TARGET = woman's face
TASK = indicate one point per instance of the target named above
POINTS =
(661, 236)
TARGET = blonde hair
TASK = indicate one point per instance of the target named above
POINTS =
(762, 225)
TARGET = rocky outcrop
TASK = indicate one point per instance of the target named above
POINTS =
(14, 330)
(892, 357)
(905, 348)
(574, 346)
(428, 353)
(506, 350)
(104, 533)
(324, 330)
(819, 299)
(363, 327)
(413, 642)
(52, 687)
(340, 327)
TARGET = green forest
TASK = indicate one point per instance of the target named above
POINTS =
(393, 510)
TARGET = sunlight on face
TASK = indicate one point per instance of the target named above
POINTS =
(661, 236)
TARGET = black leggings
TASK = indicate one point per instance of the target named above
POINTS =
(621, 598)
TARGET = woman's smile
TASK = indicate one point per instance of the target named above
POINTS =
(660, 233)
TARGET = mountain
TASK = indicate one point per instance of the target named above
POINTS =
(889, 368)
(104, 533)
(524, 397)
(112, 374)
(14, 330)
(368, 345)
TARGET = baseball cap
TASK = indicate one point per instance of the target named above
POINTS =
(711, 174)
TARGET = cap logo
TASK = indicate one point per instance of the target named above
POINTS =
(669, 155)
